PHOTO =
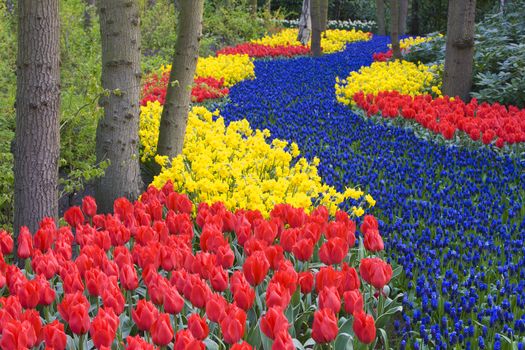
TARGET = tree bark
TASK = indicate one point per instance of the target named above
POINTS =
(315, 45)
(178, 96)
(37, 135)
(117, 132)
(305, 23)
(253, 8)
(380, 17)
(457, 77)
(403, 14)
(414, 24)
(394, 28)
(324, 15)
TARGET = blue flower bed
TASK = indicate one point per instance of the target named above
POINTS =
(454, 218)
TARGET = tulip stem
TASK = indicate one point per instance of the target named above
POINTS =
(81, 342)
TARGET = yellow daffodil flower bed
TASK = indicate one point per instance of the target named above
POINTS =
(332, 40)
(241, 168)
(231, 68)
(412, 41)
(403, 76)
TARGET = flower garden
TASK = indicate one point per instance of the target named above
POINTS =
(331, 203)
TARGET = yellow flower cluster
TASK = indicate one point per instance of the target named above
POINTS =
(149, 129)
(233, 68)
(412, 41)
(238, 166)
(332, 40)
(406, 77)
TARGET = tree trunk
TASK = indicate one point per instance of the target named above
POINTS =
(305, 23)
(324, 15)
(394, 27)
(178, 95)
(414, 24)
(403, 14)
(253, 7)
(315, 45)
(87, 13)
(380, 17)
(37, 136)
(457, 77)
(117, 131)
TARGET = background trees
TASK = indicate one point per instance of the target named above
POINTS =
(37, 140)
(117, 132)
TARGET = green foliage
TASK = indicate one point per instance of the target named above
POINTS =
(8, 51)
(499, 60)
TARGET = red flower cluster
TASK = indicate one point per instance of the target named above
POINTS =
(259, 50)
(382, 56)
(204, 89)
(142, 259)
(485, 122)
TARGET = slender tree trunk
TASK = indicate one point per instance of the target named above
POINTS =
(324, 15)
(315, 45)
(403, 14)
(380, 17)
(394, 28)
(37, 136)
(305, 23)
(117, 131)
(414, 24)
(457, 77)
(87, 13)
(178, 96)
(253, 7)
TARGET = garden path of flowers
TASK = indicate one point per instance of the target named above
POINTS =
(454, 218)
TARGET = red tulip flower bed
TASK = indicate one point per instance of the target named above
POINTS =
(259, 51)
(485, 122)
(149, 276)
(204, 89)
(383, 56)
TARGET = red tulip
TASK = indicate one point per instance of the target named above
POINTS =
(364, 327)
(244, 296)
(79, 319)
(29, 294)
(215, 307)
(283, 341)
(327, 277)
(369, 222)
(353, 301)
(25, 243)
(333, 251)
(303, 249)
(256, 268)
(104, 328)
(241, 346)
(375, 272)
(373, 241)
(329, 299)
(17, 335)
(33, 317)
(274, 321)
(233, 324)
(144, 314)
(349, 279)
(54, 335)
(184, 340)
(74, 216)
(137, 343)
(6, 242)
(277, 295)
(128, 277)
(306, 281)
(324, 328)
(274, 254)
(198, 326)
(173, 302)
(89, 206)
(161, 331)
